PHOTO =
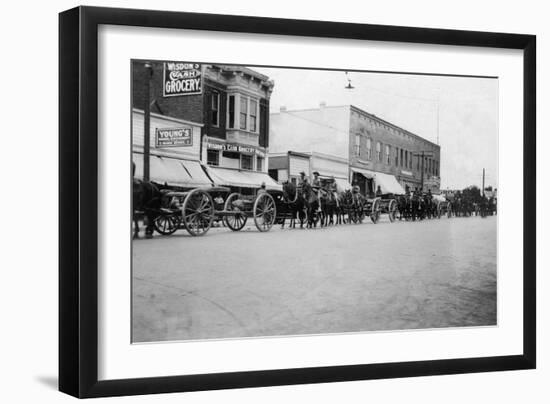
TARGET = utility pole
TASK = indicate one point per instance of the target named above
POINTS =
(422, 173)
(147, 122)
(483, 183)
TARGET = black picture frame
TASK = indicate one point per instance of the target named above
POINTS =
(78, 201)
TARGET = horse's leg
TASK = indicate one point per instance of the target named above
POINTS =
(136, 227)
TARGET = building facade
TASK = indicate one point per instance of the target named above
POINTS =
(228, 104)
(378, 152)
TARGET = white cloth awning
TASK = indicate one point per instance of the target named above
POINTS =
(440, 198)
(388, 184)
(241, 178)
(182, 173)
(366, 173)
(342, 184)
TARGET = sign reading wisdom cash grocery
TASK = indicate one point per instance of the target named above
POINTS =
(181, 78)
(174, 137)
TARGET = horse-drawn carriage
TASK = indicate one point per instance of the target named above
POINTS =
(197, 210)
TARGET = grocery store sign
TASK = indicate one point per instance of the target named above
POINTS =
(181, 78)
(234, 148)
(174, 137)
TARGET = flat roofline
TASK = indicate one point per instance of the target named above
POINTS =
(383, 121)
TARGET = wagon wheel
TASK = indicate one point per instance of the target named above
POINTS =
(235, 220)
(167, 224)
(392, 210)
(375, 211)
(264, 212)
(198, 212)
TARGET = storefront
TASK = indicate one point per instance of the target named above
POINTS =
(174, 159)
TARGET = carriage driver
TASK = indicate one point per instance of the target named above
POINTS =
(262, 189)
(316, 183)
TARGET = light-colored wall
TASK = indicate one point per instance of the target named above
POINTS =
(188, 152)
(324, 130)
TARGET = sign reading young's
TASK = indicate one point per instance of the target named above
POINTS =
(181, 78)
(174, 137)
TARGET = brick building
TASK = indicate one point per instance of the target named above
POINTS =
(378, 152)
(228, 105)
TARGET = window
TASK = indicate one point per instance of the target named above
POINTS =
(246, 162)
(259, 163)
(401, 158)
(215, 108)
(231, 111)
(378, 151)
(406, 158)
(213, 157)
(411, 160)
(418, 162)
(357, 146)
(387, 154)
(253, 115)
(369, 149)
(396, 156)
(244, 112)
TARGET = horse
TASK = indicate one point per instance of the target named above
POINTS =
(146, 202)
(311, 200)
(329, 206)
(295, 202)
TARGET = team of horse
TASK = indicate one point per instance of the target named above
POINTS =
(312, 206)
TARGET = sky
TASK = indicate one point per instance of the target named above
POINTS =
(459, 113)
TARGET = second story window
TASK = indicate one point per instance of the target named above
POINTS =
(396, 156)
(243, 113)
(369, 149)
(215, 108)
(231, 111)
(253, 115)
(378, 151)
(357, 146)
(387, 154)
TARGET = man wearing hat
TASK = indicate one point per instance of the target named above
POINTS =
(316, 183)
(303, 178)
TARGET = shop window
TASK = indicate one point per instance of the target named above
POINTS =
(357, 146)
(259, 163)
(378, 152)
(387, 154)
(369, 149)
(231, 111)
(243, 113)
(213, 157)
(253, 115)
(246, 162)
(215, 108)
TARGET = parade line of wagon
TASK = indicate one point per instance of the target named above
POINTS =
(305, 206)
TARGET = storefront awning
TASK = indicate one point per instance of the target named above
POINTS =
(241, 178)
(388, 184)
(366, 173)
(176, 172)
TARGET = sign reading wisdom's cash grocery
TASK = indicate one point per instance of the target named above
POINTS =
(174, 137)
(181, 78)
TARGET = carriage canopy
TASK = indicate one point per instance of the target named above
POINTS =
(241, 178)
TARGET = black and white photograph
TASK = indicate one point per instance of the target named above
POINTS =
(272, 201)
